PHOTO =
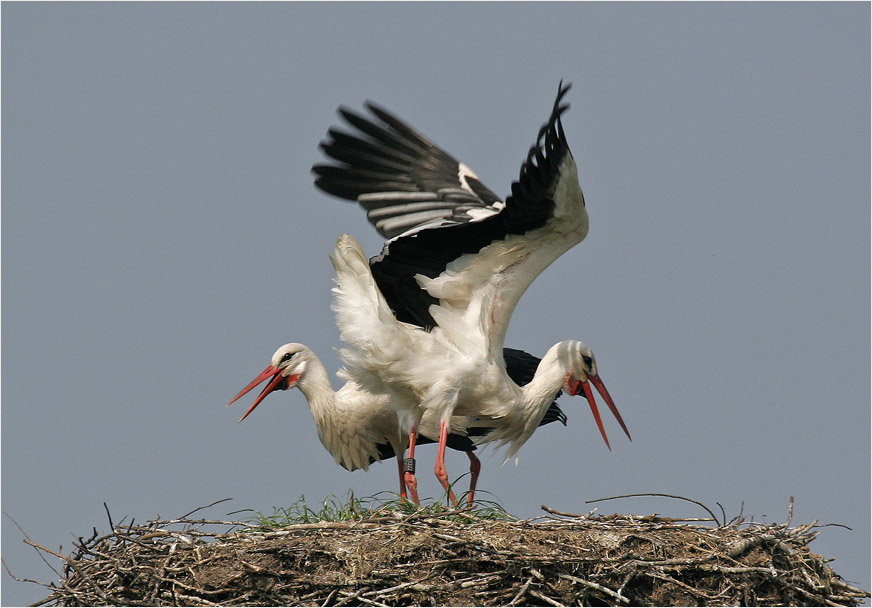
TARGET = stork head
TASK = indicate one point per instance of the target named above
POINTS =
(581, 371)
(285, 371)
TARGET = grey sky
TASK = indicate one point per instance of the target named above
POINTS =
(161, 237)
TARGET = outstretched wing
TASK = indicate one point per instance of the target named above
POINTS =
(400, 177)
(461, 258)
(467, 276)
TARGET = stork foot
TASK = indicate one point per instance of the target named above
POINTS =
(442, 476)
(441, 473)
(412, 484)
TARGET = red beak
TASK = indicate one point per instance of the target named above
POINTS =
(588, 392)
(269, 372)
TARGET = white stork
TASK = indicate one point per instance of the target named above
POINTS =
(425, 320)
(358, 427)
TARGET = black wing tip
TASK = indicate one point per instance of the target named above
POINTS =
(540, 170)
(376, 108)
(561, 91)
(556, 113)
(358, 121)
(559, 108)
(551, 134)
(383, 113)
(344, 111)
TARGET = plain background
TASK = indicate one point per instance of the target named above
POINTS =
(161, 237)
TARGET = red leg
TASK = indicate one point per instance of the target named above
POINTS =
(402, 475)
(474, 469)
(441, 473)
(409, 471)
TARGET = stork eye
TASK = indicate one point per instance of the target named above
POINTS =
(288, 357)
(587, 361)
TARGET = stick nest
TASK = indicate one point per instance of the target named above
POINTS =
(451, 559)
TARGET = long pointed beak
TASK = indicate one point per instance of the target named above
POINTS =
(588, 392)
(269, 372)
(598, 383)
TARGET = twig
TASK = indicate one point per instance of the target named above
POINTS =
(27, 540)
(20, 580)
(544, 598)
(193, 600)
(833, 526)
(378, 592)
(46, 549)
(366, 600)
(350, 596)
(522, 591)
(483, 580)
(329, 597)
(696, 502)
(596, 586)
(685, 586)
(111, 525)
(564, 514)
(738, 547)
(212, 504)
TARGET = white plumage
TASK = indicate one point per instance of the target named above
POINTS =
(351, 423)
(449, 370)
(425, 320)
(359, 427)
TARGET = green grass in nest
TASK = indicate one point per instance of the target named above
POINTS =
(383, 504)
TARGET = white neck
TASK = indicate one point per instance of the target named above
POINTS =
(521, 420)
(547, 382)
(315, 385)
(351, 422)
